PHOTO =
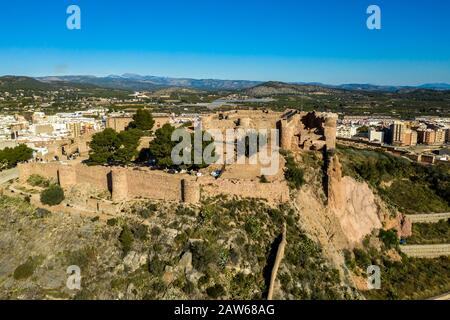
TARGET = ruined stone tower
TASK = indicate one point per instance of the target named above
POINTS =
(190, 191)
(119, 184)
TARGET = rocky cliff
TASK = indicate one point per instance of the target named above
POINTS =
(354, 204)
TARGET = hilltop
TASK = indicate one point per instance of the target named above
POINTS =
(272, 88)
(13, 83)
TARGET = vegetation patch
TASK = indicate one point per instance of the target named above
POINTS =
(10, 157)
(411, 187)
(293, 174)
(26, 270)
(430, 233)
(38, 181)
(410, 278)
(53, 195)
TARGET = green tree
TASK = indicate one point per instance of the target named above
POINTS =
(389, 238)
(142, 120)
(104, 146)
(126, 239)
(129, 142)
(10, 157)
(161, 147)
(110, 147)
(53, 195)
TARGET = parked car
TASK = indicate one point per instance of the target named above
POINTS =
(216, 173)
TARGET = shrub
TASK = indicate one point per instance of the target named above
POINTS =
(81, 257)
(111, 222)
(25, 270)
(38, 181)
(253, 226)
(293, 174)
(53, 195)
(126, 239)
(155, 232)
(140, 232)
(203, 254)
(389, 238)
(156, 267)
(362, 258)
(215, 291)
(349, 259)
(41, 212)
(148, 210)
(263, 179)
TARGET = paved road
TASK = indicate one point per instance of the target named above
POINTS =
(426, 250)
(8, 175)
(428, 217)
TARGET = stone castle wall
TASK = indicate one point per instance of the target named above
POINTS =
(274, 192)
(130, 183)
(47, 170)
(154, 184)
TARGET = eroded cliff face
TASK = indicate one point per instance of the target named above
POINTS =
(357, 209)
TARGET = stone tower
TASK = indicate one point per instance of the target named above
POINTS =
(119, 184)
(66, 176)
(190, 191)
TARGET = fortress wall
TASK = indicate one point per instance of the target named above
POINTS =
(96, 176)
(153, 184)
(67, 176)
(276, 191)
(46, 170)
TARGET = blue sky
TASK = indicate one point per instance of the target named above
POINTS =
(286, 40)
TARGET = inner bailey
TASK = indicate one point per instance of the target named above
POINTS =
(298, 130)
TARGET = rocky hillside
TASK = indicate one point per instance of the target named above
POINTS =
(221, 249)
(280, 88)
(224, 248)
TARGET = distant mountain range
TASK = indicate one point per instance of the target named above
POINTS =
(138, 82)
(151, 83)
